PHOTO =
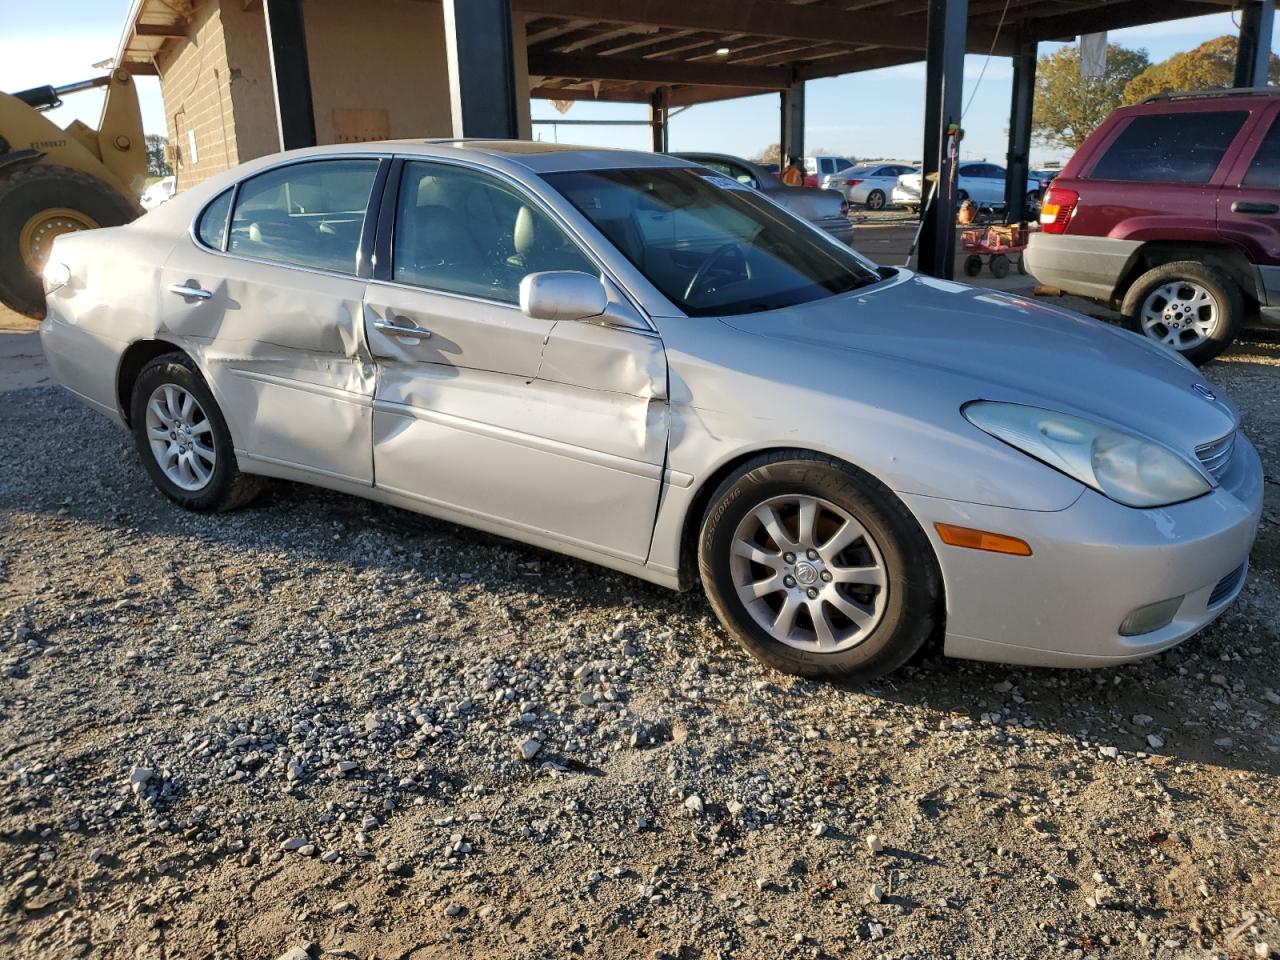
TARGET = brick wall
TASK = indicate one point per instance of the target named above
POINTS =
(195, 84)
(369, 59)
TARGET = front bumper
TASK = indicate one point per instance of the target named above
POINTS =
(1092, 565)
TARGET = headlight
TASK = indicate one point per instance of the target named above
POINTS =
(1128, 469)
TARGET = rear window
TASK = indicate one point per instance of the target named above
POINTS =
(1170, 147)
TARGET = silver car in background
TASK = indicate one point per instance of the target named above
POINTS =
(826, 209)
(869, 184)
(647, 364)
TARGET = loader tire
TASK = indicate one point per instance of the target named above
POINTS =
(37, 203)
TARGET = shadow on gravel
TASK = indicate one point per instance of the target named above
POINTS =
(1179, 696)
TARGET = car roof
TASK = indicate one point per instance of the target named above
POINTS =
(532, 155)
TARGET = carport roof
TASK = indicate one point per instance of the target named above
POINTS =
(610, 50)
(625, 51)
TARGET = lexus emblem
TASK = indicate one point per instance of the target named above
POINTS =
(1204, 391)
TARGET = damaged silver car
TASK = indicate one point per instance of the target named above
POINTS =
(645, 364)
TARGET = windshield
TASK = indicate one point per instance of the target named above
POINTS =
(713, 246)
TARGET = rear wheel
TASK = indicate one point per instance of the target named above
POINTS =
(1187, 306)
(183, 439)
(972, 265)
(999, 266)
(875, 200)
(818, 569)
(37, 204)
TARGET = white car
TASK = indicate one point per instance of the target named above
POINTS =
(870, 184)
(979, 181)
(160, 191)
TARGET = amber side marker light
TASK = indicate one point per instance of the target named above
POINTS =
(982, 540)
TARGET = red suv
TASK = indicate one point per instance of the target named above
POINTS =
(1170, 212)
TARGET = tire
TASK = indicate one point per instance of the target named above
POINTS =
(972, 265)
(906, 607)
(1142, 302)
(1021, 264)
(911, 208)
(1031, 204)
(85, 201)
(226, 488)
(875, 200)
(999, 266)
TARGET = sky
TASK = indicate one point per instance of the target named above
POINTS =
(879, 113)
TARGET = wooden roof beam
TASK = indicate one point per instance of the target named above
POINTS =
(656, 71)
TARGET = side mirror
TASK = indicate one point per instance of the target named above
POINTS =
(562, 295)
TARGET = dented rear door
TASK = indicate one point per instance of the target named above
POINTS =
(271, 304)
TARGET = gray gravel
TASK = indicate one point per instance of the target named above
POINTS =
(325, 726)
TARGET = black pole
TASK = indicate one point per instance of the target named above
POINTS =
(658, 119)
(290, 73)
(792, 144)
(1253, 55)
(1018, 161)
(482, 70)
(944, 85)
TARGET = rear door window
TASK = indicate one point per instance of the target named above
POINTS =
(1264, 171)
(212, 229)
(305, 214)
(1170, 147)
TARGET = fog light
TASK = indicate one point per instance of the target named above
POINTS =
(1149, 618)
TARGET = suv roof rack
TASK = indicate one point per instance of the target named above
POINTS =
(1205, 94)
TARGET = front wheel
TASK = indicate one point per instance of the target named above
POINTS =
(1187, 306)
(817, 569)
(183, 439)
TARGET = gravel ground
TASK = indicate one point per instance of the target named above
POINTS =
(327, 726)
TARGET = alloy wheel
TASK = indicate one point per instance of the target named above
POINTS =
(1181, 314)
(181, 437)
(809, 573)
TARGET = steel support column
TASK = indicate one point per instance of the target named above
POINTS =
(1253, 55)
(482, 70)
(792, 138)
(290, 73)
(658, 108)
(944, 84)
(1018, 159)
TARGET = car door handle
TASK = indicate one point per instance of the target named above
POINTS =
(1251, 206)
(187, 290)
(401, 330)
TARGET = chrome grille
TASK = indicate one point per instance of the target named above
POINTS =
(1216, 456)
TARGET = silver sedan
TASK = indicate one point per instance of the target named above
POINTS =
(645, 364)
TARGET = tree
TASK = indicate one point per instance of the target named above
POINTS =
(157, 165)
(1210, 66)
(1068, 106)
(770, 154)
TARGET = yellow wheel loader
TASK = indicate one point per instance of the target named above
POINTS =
(55, 180)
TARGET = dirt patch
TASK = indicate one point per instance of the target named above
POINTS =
(301, 726)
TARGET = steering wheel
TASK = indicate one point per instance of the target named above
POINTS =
(698, 281)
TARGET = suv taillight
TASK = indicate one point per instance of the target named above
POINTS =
(1056, 209)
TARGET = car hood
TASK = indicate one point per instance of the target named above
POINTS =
(971, 344)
